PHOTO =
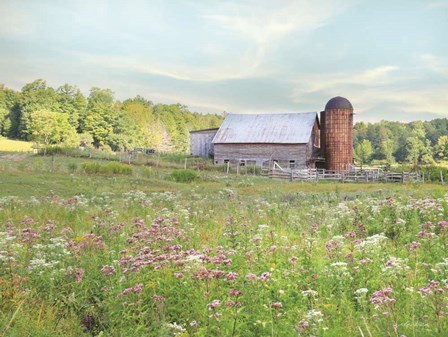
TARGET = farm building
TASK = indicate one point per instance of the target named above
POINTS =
(201, 142)
(293, 140)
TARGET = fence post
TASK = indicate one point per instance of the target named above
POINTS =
(185, 164)
(441, 177)
(228, 167)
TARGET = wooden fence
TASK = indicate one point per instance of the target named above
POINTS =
(364, 176)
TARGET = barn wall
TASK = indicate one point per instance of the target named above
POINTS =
(259, 153)
(201, 143)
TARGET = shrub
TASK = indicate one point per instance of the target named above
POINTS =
(108, 168)
(184, 176)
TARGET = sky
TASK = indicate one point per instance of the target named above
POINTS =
(388, 57)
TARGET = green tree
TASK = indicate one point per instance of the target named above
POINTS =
(100, 116)
(441, 148)
(363, 152)
(71, 102)
(34, 96)
(48, 127)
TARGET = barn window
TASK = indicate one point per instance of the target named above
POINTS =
(292, 163)
(226, 161)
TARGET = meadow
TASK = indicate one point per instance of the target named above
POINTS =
(93, 249)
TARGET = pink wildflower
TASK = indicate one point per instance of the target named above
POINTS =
(79, 275)
(213, 305)
(276, 305)
(108, 270)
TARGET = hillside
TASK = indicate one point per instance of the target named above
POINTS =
(64, 116)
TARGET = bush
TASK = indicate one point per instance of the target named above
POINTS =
(108, 168)
(184, 176)
(432, 173)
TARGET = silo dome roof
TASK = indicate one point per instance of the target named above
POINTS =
(339, 102)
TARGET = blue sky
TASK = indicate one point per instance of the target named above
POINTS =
(388, 57)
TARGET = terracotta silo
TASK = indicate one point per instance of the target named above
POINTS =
(337, 134)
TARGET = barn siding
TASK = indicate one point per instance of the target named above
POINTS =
(259, 153)
(201, 142)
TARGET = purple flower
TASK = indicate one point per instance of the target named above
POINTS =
(213, 305)
(231, 276)
(276, 305)
(108, 270)
(265, 276)
(79, 274)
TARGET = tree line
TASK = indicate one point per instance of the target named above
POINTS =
(415, 143)
(65, 116)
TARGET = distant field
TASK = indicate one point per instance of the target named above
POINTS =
(8, 145)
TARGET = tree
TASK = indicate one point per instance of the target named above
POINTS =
(71, 102)
(100, 116)
(48, 127)
(441, 148)
(363, 152)
(387, 151)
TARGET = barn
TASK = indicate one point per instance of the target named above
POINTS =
(292, 140)
(201, 142)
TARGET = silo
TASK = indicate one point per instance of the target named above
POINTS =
(337, 134)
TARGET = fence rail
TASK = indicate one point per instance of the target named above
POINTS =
(365, 176)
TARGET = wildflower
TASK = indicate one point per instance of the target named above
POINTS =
(293, 260)
(443, 225)
(412, 246)
(179, 275)
(315, 316)
(264, 277)
(361, 291)
(234, 292)
(251, 277)
(276, 305)
(231, 276)
(138, 288)
(382, 297)
(108, 270)
(302, 325)
(310, 293)
(213, 305)
(158, 298)
(79, 275)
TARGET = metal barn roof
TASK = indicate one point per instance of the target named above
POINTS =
(291, 128)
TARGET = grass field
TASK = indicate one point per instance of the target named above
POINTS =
(138, 254)
(8, 145)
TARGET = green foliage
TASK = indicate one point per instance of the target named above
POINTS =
(417, 142)
(95, 167)
(363, 152)
(184, 176)
(47, 127)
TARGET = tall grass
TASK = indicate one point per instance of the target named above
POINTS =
(9, 145)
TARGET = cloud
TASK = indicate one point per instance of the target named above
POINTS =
(436, 64)
(381, 75)
(15, 24)
(437, 4)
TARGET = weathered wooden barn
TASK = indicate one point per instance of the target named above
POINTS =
(291, 140)
(201, 142)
